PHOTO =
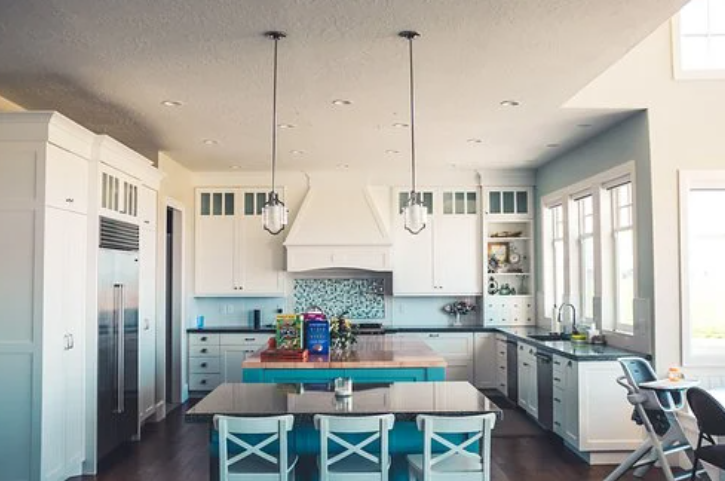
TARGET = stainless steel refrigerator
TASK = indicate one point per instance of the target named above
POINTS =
(118, 273)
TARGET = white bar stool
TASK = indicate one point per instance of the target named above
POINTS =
(456, 463)
(354, 463)
(253, 462)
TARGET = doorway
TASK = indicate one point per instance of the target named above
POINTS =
(174, 307)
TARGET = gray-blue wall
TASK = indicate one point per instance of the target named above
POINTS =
(625, 142)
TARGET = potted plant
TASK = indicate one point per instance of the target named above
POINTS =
(342, 334)
(458, 309)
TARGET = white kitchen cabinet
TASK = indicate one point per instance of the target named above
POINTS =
(43, 293)
(148, 210)
(118, 194)
(509, 202)
(217, 358)
(586, 400)
(443, 259)
(234, 256)
(456, 348)
(527, 379)
(485, 360)
(66, 177)
(147, 321)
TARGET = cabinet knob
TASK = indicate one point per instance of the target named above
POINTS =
(203, 338)
(204, 351)
(146, 222)
(557, 423)
(203, 381)
(203, 364)
(556, 399)
(557, 379)
(70, 200)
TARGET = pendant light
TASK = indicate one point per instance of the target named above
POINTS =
(415, 212)
(274, 212)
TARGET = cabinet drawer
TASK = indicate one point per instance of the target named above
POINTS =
(450, 346)
(204, 382)
(203, 339)
(200, 365)
(66, 180)
(244, 339)
(203, 349)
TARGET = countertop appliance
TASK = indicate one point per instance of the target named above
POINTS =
(512, 370)
(544, 376)
(117, 334)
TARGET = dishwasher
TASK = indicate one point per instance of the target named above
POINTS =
(512, 370)
(545, 382)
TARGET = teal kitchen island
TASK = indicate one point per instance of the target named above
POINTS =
(374, 359)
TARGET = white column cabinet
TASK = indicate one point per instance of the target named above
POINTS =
(234, 256)
(527, 379)
(147, 321)
(443, 259)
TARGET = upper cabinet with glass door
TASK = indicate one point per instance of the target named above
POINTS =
(510, 202)
(119, 195)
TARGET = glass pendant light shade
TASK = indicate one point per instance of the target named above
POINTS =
(274, 214)
(415, 214)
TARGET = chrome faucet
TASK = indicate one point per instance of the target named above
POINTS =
(573, 310)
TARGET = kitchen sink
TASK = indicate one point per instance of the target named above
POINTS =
(550, 337)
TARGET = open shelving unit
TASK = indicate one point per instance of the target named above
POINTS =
(508, 257)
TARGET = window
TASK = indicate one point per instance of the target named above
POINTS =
(699, 40)
(622, 206)
(703, 269)
(555, 249)
(585, 246)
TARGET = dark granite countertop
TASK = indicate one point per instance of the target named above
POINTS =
(568, 349)
(232, 330)
(405, 400)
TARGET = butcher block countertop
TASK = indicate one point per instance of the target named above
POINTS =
(372, 352)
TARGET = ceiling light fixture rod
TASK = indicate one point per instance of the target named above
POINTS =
(410, 36)
(276, 36)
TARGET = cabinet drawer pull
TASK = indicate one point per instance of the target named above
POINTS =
(203, 339)
(249, 339)
(433, 335)
(204, 350)
(557, 363)
(203, 381)
(203, 364)
(556, 379)
(557, 423)
(147, 222)
(502, 353)
(502, 368)
(556, 399)
(526, 364)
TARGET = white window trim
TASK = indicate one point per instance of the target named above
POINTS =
(580, 238)
(677, 72)
(619, 326)
(547, 241)
(596, 184)
(693, 179)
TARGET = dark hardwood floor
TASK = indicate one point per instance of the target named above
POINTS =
(175, 451)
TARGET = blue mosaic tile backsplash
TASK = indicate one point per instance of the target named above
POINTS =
(361, 298)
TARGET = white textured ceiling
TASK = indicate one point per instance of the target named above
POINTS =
(108, 64)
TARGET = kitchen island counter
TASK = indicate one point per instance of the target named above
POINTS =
(372, 359)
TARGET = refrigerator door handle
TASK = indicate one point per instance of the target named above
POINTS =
(122, 350)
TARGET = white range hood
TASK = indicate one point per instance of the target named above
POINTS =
(341, 226)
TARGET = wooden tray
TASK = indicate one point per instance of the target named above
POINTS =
(271, 355)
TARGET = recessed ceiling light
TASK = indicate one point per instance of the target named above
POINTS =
(552, 146)
(296, 152)
(474, 141)
(392, 151)
(171, 103)
(236, 167)
(510, 103)
(210, 142)
(400, 125)
(286, 126)
(584, 126)
(341, 102)
(343, 166)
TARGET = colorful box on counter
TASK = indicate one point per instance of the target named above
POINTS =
(317, 336)
(290, 333)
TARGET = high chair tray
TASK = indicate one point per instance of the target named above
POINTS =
(667, 385)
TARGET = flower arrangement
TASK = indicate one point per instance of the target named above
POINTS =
(342, 333)
(458, 309)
